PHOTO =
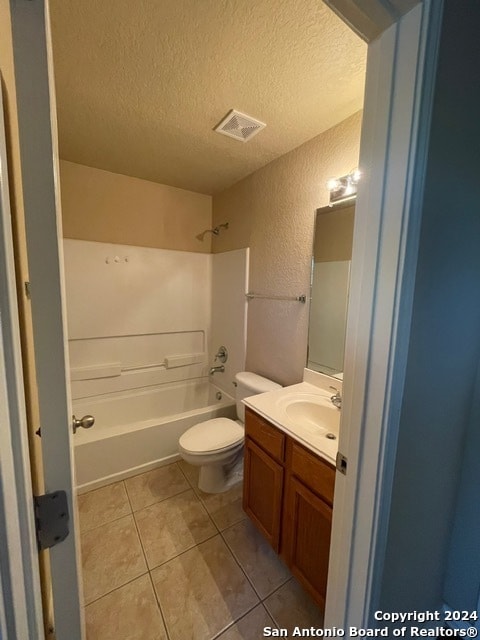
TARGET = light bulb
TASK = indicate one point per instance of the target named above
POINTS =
(356, 175)
(333, 184)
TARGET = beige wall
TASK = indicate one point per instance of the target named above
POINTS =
(334, 234)
(272, 211)
(108, 207)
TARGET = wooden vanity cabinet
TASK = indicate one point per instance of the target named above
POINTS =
(288, 494)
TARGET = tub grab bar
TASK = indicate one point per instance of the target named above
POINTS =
(302, 298)
(109, 370)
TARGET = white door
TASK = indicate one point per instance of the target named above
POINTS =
(39, 158)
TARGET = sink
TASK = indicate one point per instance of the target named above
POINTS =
(304, 411)
(311, 412)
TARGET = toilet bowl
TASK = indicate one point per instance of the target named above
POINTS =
(216, 446)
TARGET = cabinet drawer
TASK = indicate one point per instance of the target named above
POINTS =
(318, 475)
(264, 434)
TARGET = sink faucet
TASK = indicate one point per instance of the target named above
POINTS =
(336, 398)
(218, 369)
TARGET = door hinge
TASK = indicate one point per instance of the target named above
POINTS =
(341, 463)
(51, 519)
(28, 292)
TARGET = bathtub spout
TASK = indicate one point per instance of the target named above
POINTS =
(219, 369)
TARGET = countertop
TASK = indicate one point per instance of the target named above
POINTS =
(313, 416)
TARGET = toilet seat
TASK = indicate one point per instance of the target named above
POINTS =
(212, 436)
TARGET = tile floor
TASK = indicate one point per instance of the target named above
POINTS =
(164, 561)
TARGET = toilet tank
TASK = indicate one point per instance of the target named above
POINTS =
(250, 384)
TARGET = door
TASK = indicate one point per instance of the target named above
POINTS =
(39, 157)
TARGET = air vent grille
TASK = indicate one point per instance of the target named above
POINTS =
(239, 126)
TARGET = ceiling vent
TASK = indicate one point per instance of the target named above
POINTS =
(239, 126)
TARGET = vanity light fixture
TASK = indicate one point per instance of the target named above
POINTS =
(344, 188)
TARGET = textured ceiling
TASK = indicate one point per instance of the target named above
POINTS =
(141, 84)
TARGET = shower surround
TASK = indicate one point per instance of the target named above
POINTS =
(143, 326)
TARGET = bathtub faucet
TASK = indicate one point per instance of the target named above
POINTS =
(218, 369)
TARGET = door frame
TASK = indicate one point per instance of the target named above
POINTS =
(21, 604)
(399, 92)
(37, 127)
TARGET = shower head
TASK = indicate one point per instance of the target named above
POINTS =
(215, 231)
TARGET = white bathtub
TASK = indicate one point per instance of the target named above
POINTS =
(138, 430)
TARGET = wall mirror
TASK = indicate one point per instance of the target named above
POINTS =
(332, 254)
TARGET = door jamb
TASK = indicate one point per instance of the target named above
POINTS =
(20, 597)
(395, 133)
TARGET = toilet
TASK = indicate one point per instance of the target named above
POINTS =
(216, 446)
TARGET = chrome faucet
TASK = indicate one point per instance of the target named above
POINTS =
(336, 398)
(218, 369)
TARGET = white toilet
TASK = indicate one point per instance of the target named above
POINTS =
(216, 446)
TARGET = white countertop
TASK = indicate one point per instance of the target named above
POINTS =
(305, 412)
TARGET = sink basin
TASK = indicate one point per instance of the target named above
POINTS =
(304, 411)
(309, 414)
(313, 413)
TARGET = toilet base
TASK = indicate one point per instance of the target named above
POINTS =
(219, 478)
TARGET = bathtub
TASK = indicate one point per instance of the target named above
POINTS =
(138, 430)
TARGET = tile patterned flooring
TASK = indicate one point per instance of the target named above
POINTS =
(164, 561)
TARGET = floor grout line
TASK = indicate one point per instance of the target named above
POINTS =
(148, 572)
(236, 621)
(157, 600)
(199, 498)
(237, 560)
(183, 552)
(261, 601)
(184, 474)
(107, 593)
(220, 532)
(270, 615)
(139, 536)
(188, 488)
(103, 524)
(241, 568)
(159, 606)
(83, 530)
(174, 495)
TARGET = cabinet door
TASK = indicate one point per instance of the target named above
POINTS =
(306, 530)
(262, 492)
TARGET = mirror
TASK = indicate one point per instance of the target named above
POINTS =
(332, 254)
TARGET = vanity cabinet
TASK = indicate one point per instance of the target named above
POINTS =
(288, 494)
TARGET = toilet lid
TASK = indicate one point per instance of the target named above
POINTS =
(211, 435)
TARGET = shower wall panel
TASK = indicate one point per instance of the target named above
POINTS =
(136, 316)
(229, 312)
